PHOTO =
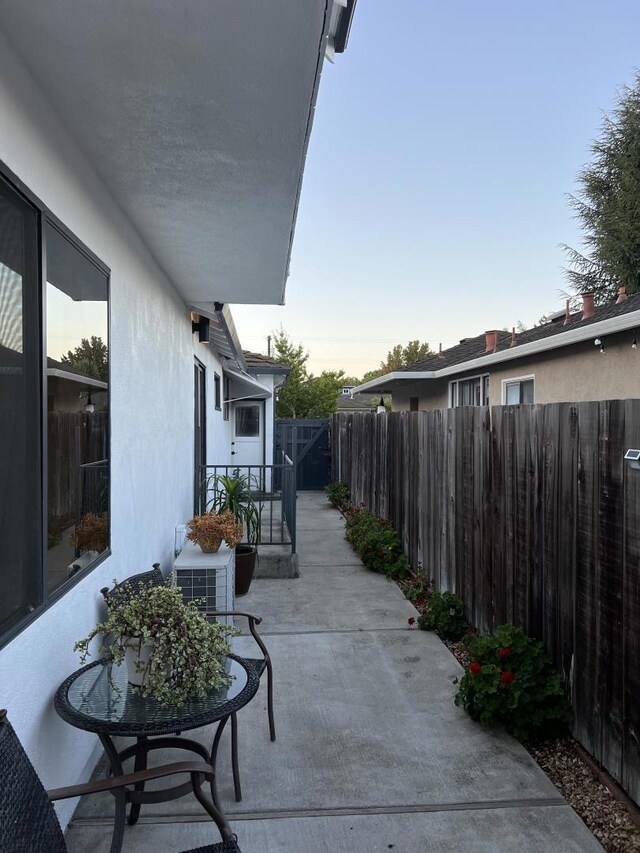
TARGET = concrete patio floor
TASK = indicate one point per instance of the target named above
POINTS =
(372, 755)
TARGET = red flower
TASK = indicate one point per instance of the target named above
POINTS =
(474, 669)
(507, 677)
(411, 620)
(421, 602)
(504, 653)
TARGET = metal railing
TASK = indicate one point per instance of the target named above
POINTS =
(273, 488)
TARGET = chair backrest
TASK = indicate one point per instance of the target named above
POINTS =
(28, 820)
(135, 583)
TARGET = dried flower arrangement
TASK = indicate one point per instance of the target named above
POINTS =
(210, 529)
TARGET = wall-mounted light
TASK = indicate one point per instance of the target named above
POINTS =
(381, 408)
(89, 407)
(634, 342)
(599, 343)
(633, 458)
(202, 328)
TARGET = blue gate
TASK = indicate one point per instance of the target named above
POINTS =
(306, 443)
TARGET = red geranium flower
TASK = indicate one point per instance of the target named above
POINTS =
(474, 669)
(504, 653)
(421, 602)
(411, 620)
(507, 677)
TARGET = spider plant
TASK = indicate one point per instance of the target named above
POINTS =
(233, 492)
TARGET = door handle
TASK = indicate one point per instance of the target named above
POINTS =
(233, 453)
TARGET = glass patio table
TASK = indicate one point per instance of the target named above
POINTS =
(98, 698)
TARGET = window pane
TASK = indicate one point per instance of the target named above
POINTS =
(526, 392)
(513, 394)
(414, 404)
(20, 508)
(247, 421)
(216, 387)
(78, 409)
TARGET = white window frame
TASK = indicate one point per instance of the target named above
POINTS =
(453, 388)
(512, 381)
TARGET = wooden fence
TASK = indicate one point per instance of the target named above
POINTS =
(532, 516)
(74, 439)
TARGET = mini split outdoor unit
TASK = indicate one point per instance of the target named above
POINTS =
(205, 576)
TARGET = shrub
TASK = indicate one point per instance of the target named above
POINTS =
(511, 682)
(376, 542)
(339, 494)
(445, 616)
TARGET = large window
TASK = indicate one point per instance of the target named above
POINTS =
(54, 409)
(473, 391)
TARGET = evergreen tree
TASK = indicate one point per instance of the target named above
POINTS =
(304, 395)
(608, 206)
(90, 357)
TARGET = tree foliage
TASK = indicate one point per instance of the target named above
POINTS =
(608, 205)
(90, 358)
(304, 395)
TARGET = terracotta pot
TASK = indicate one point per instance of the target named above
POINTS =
(245, 567)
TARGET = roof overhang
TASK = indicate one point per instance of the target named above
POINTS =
(67, 375)
(244, 387)
(576, 335)
(196, 116)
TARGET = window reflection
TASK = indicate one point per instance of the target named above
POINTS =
(77, 409)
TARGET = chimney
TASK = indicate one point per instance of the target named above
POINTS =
(588, 307)
(622, 295)
(491, 341)
(513, 336)
(440, 352)
(567, 313)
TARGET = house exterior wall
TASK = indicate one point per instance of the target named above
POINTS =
(152, 355)
(575, 373)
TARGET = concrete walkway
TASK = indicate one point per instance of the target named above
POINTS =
(372, 755)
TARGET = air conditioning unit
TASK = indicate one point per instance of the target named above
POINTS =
(207, 576)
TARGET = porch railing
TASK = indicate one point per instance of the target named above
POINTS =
(273, 488)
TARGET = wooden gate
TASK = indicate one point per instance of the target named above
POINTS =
(306, 443)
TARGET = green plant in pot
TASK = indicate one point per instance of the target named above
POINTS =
(233, 493)
(172, 652)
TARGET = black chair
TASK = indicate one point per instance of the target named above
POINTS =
(29, 824)
(154, 577)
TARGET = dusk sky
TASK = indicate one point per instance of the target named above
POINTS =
(434, 201)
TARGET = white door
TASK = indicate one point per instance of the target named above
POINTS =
(247, 445)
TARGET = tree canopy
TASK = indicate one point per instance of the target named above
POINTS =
(400, 356)
(304, 395)
(90, 357)
(608, 205)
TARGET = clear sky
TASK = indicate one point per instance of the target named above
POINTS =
(445, 142)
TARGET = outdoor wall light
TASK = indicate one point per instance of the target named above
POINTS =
(633, 458)
(202, 328)
(599, 343)
(89, 408)
(634, 343)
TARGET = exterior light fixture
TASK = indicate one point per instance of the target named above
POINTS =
(634, 343)
(202, 328)
(633, 458)
(599, 343)
(89, 408)
(381, 408)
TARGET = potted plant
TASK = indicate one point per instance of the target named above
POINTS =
(172, 652)
(234, 493)
(211, 529)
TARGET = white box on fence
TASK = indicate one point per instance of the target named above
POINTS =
(207, 576)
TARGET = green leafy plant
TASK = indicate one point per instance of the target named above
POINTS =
(377, 543)
(235, 493)
(189, 653)
(511, 682)
(339, 494)
(445, 616)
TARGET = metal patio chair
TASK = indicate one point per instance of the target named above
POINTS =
(258, 666)
(28, 821)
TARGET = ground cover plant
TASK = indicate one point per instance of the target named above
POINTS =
(339, 494)
(445, 616)
(376, 542)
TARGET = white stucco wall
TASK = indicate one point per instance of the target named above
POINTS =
(152, 353)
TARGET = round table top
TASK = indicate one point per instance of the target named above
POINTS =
(99, 698)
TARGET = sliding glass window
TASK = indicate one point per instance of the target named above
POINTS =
(54, 409)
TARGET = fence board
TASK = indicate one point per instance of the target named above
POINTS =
(531, 515)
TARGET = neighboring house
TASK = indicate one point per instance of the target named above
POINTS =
(271, 375)
(591, 354)
(360, 402)
(151, 160)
